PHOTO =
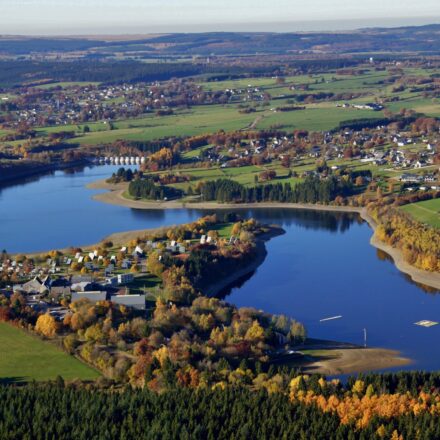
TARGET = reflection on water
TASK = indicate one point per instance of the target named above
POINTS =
(383, 256)
(308, 219)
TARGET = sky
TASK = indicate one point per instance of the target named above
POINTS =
(46, 17)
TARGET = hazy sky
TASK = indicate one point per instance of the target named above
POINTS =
(143, 16)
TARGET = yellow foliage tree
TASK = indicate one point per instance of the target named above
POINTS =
(255, 332)
(46, 325)
(161, 355)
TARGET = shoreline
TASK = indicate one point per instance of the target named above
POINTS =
(332, 358)
(114, 196)
(40, 170)
(356, 360)
(214, 289)
(431, 279)
(339, 358)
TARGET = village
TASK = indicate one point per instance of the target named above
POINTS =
(122, 275)
(408, 159)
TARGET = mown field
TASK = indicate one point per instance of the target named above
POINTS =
(25, 358)
(426, 212)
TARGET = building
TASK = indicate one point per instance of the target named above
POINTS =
(125, 278)
(135, 301)
(35, 286)
(93, 296)
(410, 178)
(59, 287)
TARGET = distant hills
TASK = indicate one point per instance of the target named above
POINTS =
(420, 39)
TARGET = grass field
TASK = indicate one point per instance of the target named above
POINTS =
(426, 212)
(142, 283)
(66, 84)
(223, 229)
(25, 358)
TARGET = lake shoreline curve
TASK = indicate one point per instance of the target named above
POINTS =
(114, 195)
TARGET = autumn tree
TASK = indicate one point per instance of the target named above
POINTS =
(46, 325)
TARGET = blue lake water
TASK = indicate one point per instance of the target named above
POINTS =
(323, 266)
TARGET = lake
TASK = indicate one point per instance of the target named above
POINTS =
(323, 266)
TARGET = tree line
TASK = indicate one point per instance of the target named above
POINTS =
(419, 243)
(147, 189)
(312, 190)
(376, 406)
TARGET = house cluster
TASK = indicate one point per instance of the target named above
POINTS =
(245, 94)
(45, 294)
(423, 182)
(378, 146)
(368, 106)
(106, 278)
(54, 106)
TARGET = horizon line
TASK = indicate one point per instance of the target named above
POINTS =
(304, 26)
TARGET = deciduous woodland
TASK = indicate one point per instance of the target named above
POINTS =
(419, 243)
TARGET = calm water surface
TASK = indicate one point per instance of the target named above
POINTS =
(323, 266)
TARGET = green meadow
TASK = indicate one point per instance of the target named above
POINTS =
(426, 212)
(26, 357)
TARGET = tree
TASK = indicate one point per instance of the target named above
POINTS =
(154, 264)
(358, 387)
(46, 325)
(359, 181)
(297, 332)
(255, 332)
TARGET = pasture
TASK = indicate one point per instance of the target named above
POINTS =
(26, 357)
(426, 212)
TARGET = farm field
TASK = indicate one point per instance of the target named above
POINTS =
(211, 119)
(28, 358)
(426, 212)
(66, 84)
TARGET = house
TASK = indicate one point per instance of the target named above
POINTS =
(109, 269)
(315, 151)
(135, 301)
(429, 178)
(126, 264)
(410, 178)
(86, 286)
(125, 278)
(93, 296)
(35, 286)
(59, 287)
(420, 164)
(75, 279)
(138, 252)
